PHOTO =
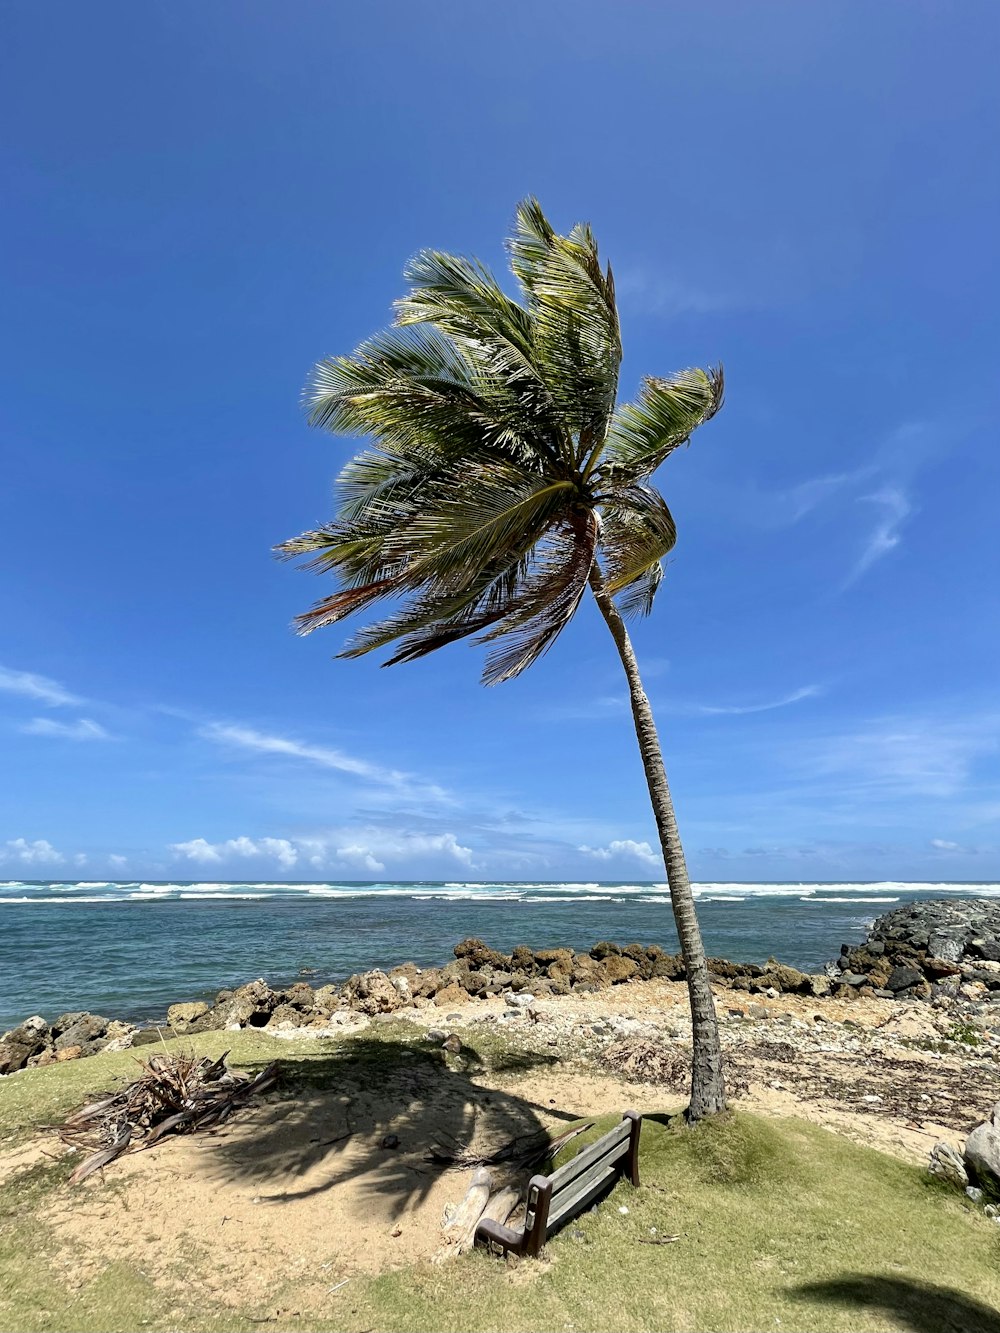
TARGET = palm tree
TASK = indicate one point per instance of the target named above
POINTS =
(504, 481)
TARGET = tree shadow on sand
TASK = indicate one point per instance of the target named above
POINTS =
(369, 1112)
(925, 1306)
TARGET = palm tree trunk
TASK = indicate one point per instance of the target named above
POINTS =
(708, 1093)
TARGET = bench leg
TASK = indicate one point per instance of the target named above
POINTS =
(535, 1238)
(632, 1165)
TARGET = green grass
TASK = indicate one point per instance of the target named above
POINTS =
(782, 1226)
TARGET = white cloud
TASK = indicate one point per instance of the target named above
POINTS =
(358, 856)
(83, 729)
(943, 845)
(31, 686)
(734, 710)
(628, 847)
(353, 848)
(118, 861)
(39, 852)
(247, 738)
(886, 534)
(208, 853)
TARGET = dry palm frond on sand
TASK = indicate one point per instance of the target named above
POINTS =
(174, 1094)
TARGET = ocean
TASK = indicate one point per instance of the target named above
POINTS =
(128, 949)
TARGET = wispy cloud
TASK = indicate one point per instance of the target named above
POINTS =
(906, 756)
(32, 686)
(885, 536)
(83, 729)
(247, 738)
(738, 710)
(624, 847)
(646, 291)
(39, 852)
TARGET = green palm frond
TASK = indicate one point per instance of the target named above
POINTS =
(638, 531)
(499, 470)
(571, 303)
(663, 417)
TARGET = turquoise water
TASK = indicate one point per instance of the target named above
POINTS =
(128, 950)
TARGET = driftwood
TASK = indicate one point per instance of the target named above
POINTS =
(461, 1222)
(173, 1095)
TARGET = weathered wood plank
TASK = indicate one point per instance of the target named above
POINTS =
(577, 1194)
(571, 1169)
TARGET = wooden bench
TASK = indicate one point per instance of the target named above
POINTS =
(553, 1199)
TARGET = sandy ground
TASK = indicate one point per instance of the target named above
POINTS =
(300, 1187)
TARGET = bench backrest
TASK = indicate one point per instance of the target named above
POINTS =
(553, 1199)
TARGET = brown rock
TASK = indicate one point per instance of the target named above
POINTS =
(451, 994)
(545, 957)
(69, 1053)
(522, 960)
(181, 1016)
(429, 981)
(616, 969)
(286, 1015)
(604, 948)
(669, 966)
(372, 993)
(326, 999)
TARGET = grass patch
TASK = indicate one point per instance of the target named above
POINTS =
(782, 1226)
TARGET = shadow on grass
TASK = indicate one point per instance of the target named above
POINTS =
(339, 1109)
(927, 1307)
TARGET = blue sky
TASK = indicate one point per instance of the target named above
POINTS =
(202, 200)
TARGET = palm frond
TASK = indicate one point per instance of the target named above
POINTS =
(636, 598)
(662, 418)
(571, 302)
(548, 597)
(638, 530)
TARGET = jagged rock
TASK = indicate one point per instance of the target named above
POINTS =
(604, 949)
(300, 995)
(69, 1053)
(181, 1016)
(853, 979)
(616, 969)
(285, 1015)
(522, 960)
(901, 978)
(544, 957)
(472, 945)
(982, 1151)
(819, 985)
(585, 968)
(946, 1163)
(451, 994)
(85, 1030)
(65, 1021)
(937, 967)
(372, 993)
(669, 966)
(429, 981)
(326, 999)
(19, 1045)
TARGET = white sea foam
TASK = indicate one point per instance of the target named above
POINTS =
(819, 899)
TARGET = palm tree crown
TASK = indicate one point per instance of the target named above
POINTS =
(504, 474)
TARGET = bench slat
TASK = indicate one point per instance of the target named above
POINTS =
(576, 1196)
(615, 1138)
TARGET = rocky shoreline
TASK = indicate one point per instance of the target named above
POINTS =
(942, 952)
